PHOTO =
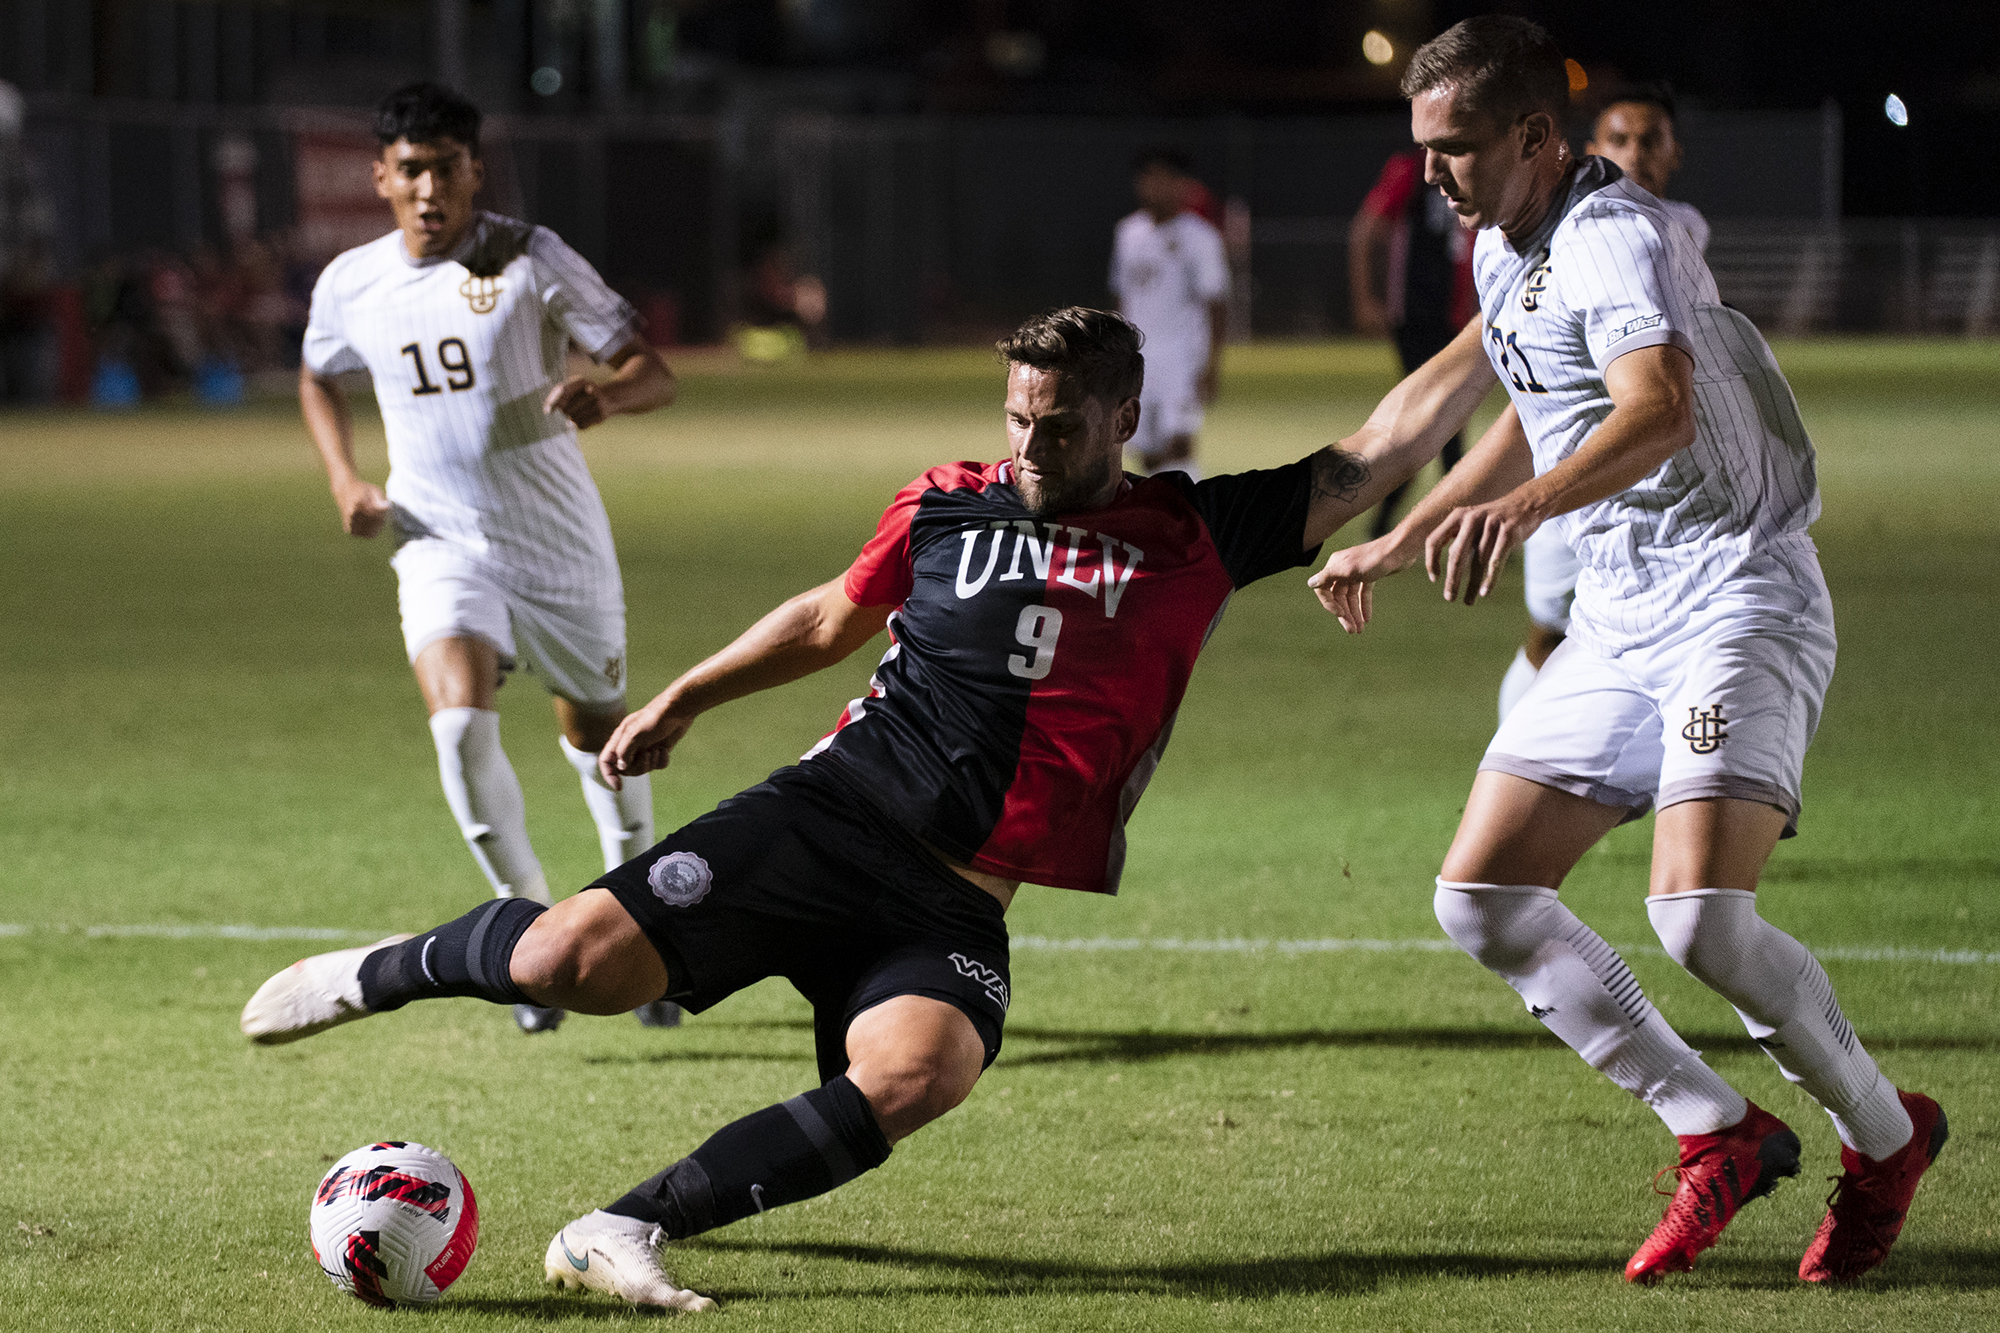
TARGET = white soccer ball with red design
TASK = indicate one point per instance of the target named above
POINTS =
(394, 1224)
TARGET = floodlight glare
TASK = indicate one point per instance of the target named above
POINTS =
(1898, 114)
(1378, 49)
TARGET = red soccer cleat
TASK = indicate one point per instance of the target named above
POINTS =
(1719, 1173)
(1864, 1214)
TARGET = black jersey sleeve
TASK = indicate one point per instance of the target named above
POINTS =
(1256, 519)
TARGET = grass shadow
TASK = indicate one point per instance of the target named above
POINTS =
(1094, 1047)
(551, 1308)
(1909, 1268)
(1290, 1275)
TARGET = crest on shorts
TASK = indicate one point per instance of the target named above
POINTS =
(680, 879)
(614, 669)
(1706, 730)
(482, 294)
(1538, 283)
(988, 980)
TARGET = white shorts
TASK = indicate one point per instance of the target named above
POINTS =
(1168, 407)
(1550, 568)
(1724, 708)
(576, 645)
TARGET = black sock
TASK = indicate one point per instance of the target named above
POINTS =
(815, 1142)
(468, 956)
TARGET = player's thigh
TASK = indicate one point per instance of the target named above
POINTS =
(914, 1057)
(1739, 709)
(747, 891)
(1517, 831)
(577, 647)
(457, 629)
(458, 672)
(587, 953)
(1716, 843)
(587, 728)
(1578, 755)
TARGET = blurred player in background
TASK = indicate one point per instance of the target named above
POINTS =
(1405, 244)
(1046, 611)
(1171, 277)
(503, 549)
(1635, 130)
(1652, 426)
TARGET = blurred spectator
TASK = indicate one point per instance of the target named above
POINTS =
(1409, 268)
(28, 346)
(161, 324)
(783, 309)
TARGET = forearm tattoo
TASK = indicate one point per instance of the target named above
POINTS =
(1337, 475)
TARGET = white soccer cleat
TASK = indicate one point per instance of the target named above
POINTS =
(621, 1260)
(310, 996)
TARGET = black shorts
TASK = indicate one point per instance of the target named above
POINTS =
(801, 877)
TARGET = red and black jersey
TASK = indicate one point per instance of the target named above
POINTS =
(1036, 664)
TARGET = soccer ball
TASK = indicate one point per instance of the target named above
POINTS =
(394, 1223)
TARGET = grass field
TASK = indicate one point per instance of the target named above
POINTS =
(205, 720)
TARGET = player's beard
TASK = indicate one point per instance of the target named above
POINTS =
(1045, 497)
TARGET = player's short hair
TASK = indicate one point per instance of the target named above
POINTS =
(1657, 93)
(1176, 160)
(1504, 67)
(1096, 348)
(425, 113)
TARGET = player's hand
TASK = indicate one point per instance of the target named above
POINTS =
(643, 742)
(363, 507)
(1468, 550)
(1207, 382)
(578, 399)
(1346, 587)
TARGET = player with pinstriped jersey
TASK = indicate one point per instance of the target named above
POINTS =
(1651, 427)
(503, 550)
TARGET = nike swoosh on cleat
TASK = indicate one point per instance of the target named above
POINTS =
(580, 1265)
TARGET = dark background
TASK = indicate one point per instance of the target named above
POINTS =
(1258, 58)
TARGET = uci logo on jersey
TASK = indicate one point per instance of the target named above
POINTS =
(1538, 283)
(482, 294)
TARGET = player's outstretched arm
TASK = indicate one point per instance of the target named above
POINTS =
(640, 381)
(1651, 419)
(363, 506)
(1494, 466)
(1406, 430)
(809, 633)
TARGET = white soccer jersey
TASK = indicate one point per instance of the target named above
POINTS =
(463, 349)
(1607, 274)
(1690, 217)
(1164, 275)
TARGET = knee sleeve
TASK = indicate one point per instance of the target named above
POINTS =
(1718, 937)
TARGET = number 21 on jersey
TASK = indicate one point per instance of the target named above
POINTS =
(457, 363)
(1511, 355)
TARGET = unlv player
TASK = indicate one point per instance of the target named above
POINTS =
(1045, 613)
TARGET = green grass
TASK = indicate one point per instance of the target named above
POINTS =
(207, 720)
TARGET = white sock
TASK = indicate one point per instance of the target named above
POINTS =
(1521, 673)
(1581, 990)
(485, 799)
(624, 818)
(599, 1220)
(1784, 998)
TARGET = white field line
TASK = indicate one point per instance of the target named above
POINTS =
(1027, 943)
